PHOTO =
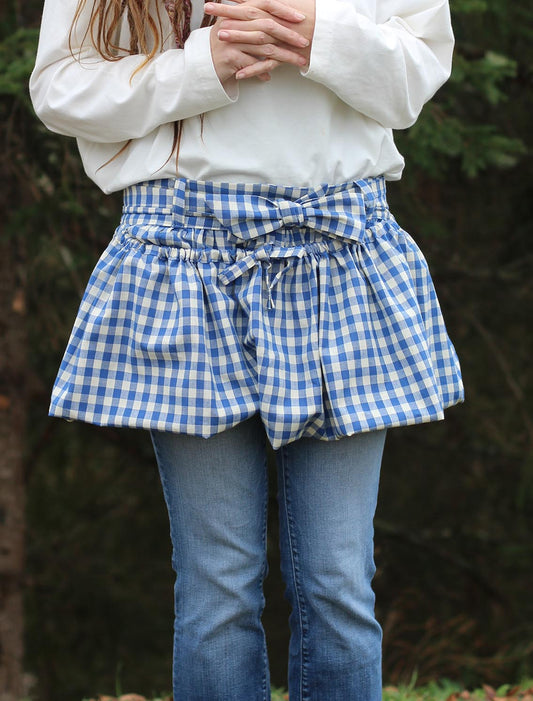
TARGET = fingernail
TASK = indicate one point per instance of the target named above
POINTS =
(223, 35)
(303, 41)
(299, 15)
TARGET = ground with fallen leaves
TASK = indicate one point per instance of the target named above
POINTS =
(437, 691)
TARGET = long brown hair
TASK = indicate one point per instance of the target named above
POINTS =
(146, 36)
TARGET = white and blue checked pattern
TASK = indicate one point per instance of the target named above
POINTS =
(215, 301)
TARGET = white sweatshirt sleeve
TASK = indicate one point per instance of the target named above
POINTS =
(386, 67)
(78, 93)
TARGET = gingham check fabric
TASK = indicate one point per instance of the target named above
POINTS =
(216, 301)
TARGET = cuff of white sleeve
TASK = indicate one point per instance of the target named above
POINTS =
(206, 81)
(323, 41)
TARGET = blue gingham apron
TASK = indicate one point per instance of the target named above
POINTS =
(216, 301)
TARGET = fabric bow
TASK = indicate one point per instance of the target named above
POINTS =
(339, 213)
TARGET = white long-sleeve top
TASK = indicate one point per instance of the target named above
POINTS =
(373, 65)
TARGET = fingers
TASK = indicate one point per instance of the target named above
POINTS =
(248, 42)
(229, 58)
(260, 69)
(254, 9)
(280, 54)
(260, 32)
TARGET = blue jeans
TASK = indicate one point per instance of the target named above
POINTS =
(216, 491)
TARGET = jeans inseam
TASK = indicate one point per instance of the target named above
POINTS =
(296, 579)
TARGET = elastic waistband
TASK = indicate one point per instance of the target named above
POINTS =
(248, 210)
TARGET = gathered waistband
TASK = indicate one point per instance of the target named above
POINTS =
(249, 225)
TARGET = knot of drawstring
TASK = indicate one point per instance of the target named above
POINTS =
(262, 256)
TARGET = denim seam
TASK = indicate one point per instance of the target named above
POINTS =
(303, 696)
(164, 485)
(265, 689)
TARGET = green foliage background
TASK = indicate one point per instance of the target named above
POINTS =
(453, 530)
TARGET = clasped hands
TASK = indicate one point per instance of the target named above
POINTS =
(251, 38)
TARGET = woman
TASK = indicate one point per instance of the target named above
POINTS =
(257, 287)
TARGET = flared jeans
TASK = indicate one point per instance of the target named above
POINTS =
(216, 492)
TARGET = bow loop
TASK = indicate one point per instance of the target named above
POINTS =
(245, 218)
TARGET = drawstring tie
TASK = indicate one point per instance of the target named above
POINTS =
(262, 256)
